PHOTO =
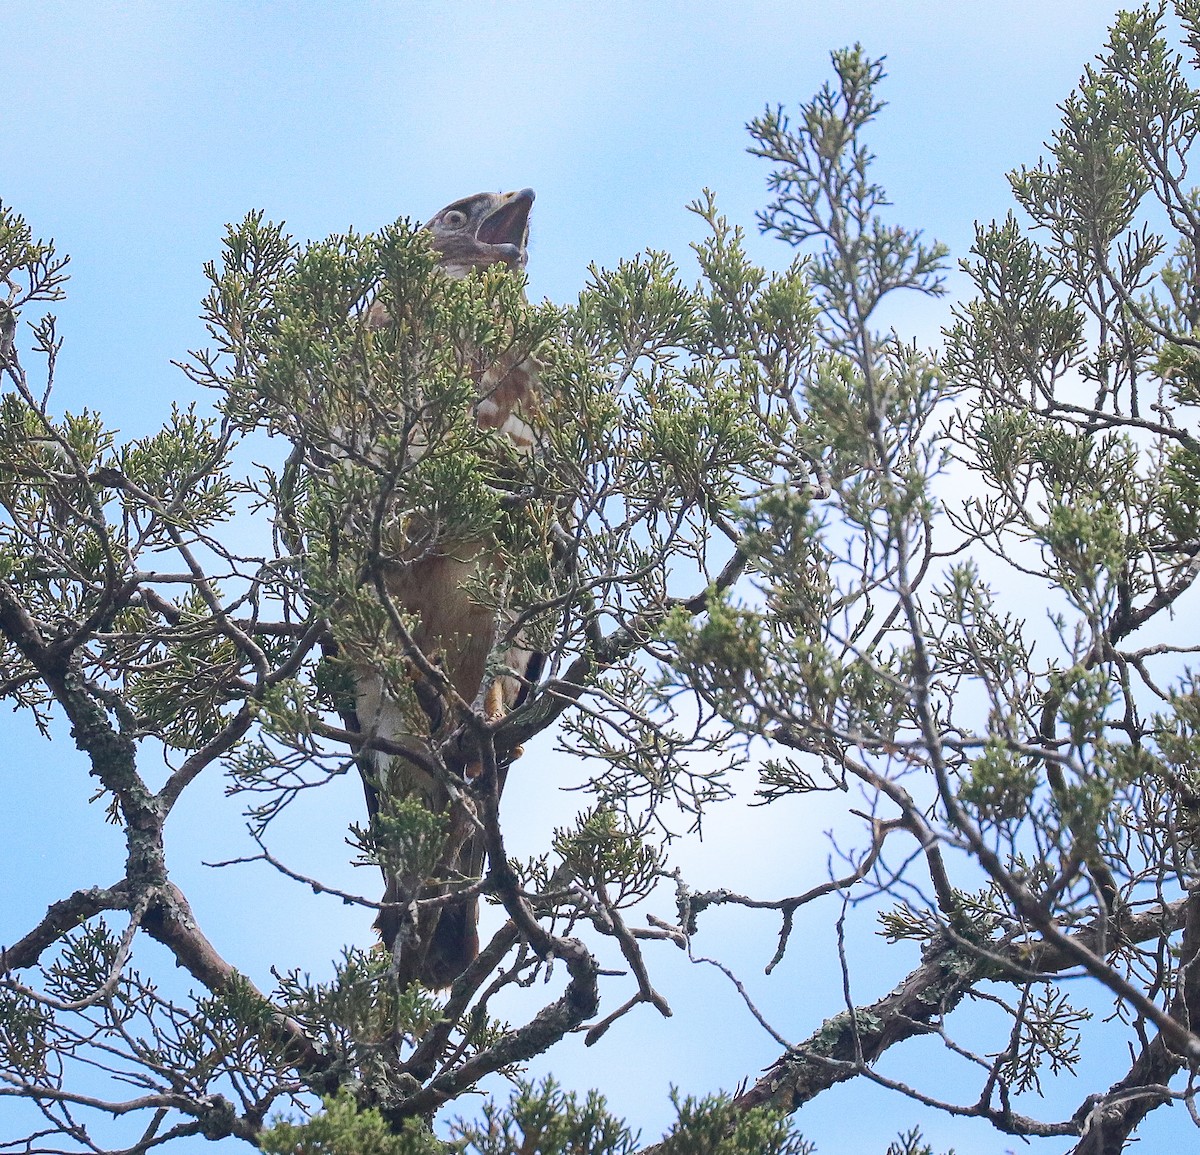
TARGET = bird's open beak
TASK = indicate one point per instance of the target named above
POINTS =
(505, 228)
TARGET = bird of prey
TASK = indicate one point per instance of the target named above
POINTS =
(453, 629)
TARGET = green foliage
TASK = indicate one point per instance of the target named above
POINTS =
(356, 1012)
(345, 1129)
(912, 1143)
(1048, 1035)
(407, 838)
(1001, 785)
(641, 305)
(606, 856)
(824, 191)
(183, 685)
(32, 269)
(24, 1027)
(545, 1120)
(537, 1120)
(182, 468)
(713, 1126)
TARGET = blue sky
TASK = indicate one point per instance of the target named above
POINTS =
(132, 133)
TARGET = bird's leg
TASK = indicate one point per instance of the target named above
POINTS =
(493, 703)
(495, 709)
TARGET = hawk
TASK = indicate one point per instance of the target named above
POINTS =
(453, 629)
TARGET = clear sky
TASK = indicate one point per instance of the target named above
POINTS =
(131, 133)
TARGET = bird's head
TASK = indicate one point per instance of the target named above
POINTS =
(482, 230)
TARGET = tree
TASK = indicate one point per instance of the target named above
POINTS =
(763, 537)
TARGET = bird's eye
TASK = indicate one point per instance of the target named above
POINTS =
(454, 219)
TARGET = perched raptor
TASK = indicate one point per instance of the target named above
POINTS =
(453, 628)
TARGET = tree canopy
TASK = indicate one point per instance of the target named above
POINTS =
(770, 549)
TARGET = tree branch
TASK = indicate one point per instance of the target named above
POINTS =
(947, 972)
